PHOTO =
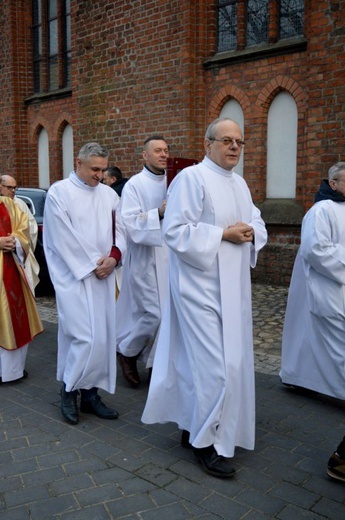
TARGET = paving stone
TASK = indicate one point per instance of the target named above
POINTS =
(161, 497)
(85, 466)
(135, 486)
(114, 474)
(10, 483)
(44, 509)
(330, 509)
(189, 490)
(297, 513)
(224, 507)
(70, 485)
(295, 495)
(44, 476)
(106, 470)
(98, 495)
(326, 487)
(172, 512)
(28, 495)
(89, 513)
(160, 458)
(155, 474)
(18, 513)
(131, 505)
(264, 502)
(57, 459)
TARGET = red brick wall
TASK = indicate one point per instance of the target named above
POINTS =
(139, 76)
(138, 68)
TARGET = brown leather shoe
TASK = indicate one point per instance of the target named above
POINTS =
(129, 369)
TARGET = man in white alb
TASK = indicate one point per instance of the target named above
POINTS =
(144, 278)
(203, 375)
(83, 246)
(313, 350)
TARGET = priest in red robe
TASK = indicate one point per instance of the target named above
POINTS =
(19, 318)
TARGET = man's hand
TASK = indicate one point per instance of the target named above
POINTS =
(8, 243)
(106, 266)
(239, 233)
(161, 210)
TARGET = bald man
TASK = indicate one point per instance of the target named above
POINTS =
(19, 319)
(8, 187)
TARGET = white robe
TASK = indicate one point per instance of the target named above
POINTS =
(203, 375)
(313, 350)
(31, 266)
(144, 275)
(78, 231)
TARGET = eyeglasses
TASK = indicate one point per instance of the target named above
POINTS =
(12, 188)
(338, 180)
(228, 140)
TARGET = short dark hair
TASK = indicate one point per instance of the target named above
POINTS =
(114, 171)
(153, 138)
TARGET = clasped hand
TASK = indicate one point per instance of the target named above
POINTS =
(106, 266)
(7, 243)
(239, 233)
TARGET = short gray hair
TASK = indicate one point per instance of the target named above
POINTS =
(211, 130)
(335, 170)
(91, 150)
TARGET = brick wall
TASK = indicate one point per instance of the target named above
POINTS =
(139, 77)
(143, 67)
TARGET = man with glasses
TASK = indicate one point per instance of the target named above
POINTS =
(19, 319)
(203, 374)
(8, 188)
(313, 351)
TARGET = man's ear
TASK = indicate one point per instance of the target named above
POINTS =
(207, 145)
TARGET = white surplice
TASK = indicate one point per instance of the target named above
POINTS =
(144, 274)
(31, 266)
(203, 375)
(313, 351)
(78, 231)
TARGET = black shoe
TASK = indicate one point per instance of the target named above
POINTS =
(97, 407)
(185, 440)
(69, 408)
(129, 369)
(214, 464)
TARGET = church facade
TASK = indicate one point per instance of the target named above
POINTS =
(117, 72)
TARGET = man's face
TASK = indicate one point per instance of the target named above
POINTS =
(91, 171)
(8, 188)
(106, 179)
(338, 184)
(156, 155)
(225, 155)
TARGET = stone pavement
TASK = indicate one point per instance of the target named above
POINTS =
(123, 469)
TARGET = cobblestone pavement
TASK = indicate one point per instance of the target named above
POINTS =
(123, 469)
(268, 315)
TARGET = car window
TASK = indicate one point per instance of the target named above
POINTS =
(29, 202)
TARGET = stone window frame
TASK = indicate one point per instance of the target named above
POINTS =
(241, 52)
(51, 41)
